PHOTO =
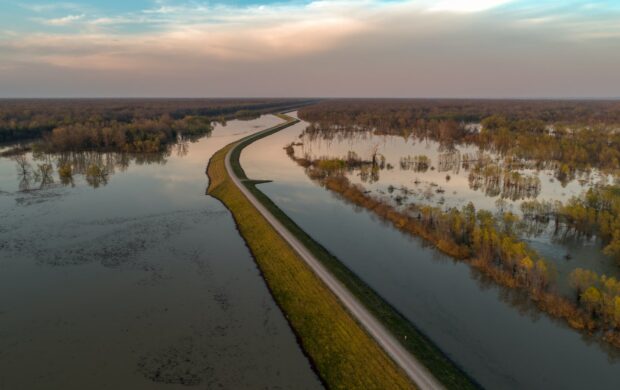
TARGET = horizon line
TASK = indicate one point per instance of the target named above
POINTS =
(573, 98)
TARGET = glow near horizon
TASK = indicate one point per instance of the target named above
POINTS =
(482, 48)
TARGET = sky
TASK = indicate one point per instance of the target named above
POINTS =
(310, 48)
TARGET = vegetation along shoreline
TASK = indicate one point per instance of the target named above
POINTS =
(323, 351)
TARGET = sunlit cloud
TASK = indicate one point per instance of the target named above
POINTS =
(63, 21)
(464, 6)
(54, 6)
(251, 34)
(321, 38)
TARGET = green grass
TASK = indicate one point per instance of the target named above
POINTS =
(410, 337)
(343, 354)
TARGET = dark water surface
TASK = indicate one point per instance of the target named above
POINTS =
(489, 331)
(135, 279)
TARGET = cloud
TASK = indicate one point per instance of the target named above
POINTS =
(355, 47)
(63, 21)
(265, 33)
(250, 34)
(156, 50)
(464, 6)
(48, 7)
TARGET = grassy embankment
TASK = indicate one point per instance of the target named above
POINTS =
(343, 354)
(450, 375)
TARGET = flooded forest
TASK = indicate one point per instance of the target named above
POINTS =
(492, 226)
(498, 216)
(116, 270)
(480, 180)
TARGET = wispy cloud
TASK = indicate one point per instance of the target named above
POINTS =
(464, 6)
(406, 39)
(63, 21)
(54, 6)
(250, 34)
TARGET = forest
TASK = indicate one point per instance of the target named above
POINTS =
(596, 213)
(396, 114)
(92, 137)
(491, 244)
(123, 125)
(569, 138)
(563, 135)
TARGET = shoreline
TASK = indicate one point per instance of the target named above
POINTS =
(410, 339)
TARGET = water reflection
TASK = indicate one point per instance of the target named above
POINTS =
(472, 319)
(143, 283)
(449, 161)
(38, 171)
(463, 172)
(495, 181)
(417, 169)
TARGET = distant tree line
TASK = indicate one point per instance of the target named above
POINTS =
(133, 125)
(562, 135)
(395, 114)
(137, 136)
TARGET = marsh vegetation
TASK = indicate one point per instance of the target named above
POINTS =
(447, 300)
(489, 176)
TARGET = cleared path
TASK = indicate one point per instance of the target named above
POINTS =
(412, 367)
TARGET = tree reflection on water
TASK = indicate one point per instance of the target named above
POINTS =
(38, 170)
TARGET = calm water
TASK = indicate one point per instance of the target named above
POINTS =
(453, 177)
(489, 331)
(460, 174)
(132, 278)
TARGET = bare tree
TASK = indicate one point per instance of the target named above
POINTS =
(23, 166)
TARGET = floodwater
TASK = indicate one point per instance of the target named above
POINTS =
(129, 276)
(456, 175)
(491, 332)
